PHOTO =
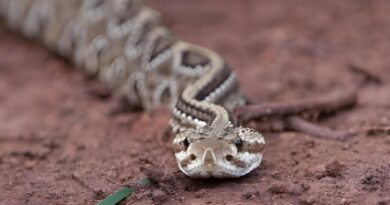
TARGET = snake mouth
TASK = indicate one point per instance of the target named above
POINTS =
(212, 170)
(210, 166)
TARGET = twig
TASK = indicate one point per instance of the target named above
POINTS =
(289, 111)
(368, 77)
(334, 101)
(378, 130)
(299, 124)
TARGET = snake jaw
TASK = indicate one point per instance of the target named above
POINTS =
(218, 157)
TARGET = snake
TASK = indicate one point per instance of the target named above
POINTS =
(124, 44)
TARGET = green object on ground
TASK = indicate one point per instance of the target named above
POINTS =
(118, 196)
(123, 193)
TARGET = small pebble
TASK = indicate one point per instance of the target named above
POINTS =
(284, 188)
(159, 196)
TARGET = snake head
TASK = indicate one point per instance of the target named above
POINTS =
(230, 153)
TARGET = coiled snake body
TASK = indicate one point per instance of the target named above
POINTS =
(123, 44)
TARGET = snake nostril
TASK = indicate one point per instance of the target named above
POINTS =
(192, 157)
(229, 157)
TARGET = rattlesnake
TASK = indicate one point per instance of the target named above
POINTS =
(123, 44)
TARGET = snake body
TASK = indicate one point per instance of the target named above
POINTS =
(124, 45)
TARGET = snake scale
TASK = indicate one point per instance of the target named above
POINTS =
(123, 44)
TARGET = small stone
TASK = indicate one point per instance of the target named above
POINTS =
(251, 194)
(112, 173)
(284, 188)
(332, 169)
(200, 194)
(277, 188)
(159, 196)
(307, 201)
(29, 164)
(276, 174)
(305, 187)
(317, 171)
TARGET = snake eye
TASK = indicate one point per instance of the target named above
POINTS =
(229, 157)
(186, 143)
(238, 143)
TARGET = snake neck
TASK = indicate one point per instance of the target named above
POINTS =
(200, 104)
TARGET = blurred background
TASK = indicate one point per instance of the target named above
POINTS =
(58, 145)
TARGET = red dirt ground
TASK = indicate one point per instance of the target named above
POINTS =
(59, 145)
